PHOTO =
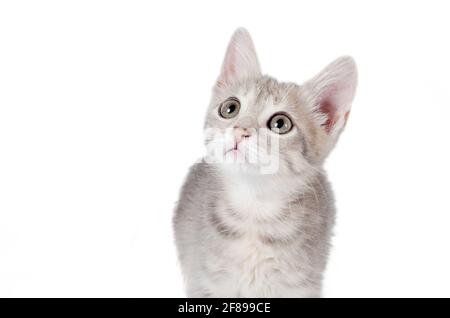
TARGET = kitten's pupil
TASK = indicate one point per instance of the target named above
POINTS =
(231, 108)
(279, 123)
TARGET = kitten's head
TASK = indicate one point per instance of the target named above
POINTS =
(259, 125)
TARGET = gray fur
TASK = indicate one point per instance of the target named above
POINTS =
(243, 234)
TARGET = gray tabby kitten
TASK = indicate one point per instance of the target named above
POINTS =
(254, 218)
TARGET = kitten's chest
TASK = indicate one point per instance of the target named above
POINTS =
(253, 268)
(254, 202)
(253, 257)
(257, 217)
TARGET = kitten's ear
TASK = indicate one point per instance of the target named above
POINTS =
(333, 91)
(240, 59)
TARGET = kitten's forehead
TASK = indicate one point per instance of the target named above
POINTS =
(263, 92)
(269, 89)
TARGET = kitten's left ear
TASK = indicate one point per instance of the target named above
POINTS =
(240, 60)
(333, 91)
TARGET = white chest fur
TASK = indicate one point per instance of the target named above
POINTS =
(253, 267)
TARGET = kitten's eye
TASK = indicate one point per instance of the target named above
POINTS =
(280, 123)
(230, 108)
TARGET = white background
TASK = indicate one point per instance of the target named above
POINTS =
(101, 112)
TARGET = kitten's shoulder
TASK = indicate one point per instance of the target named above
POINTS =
(201, 176)
(200, 181)
(319, 196)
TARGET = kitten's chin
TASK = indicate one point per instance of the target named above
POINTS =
(243, 161)
(235, 156)
(239, 168)
(237, 162)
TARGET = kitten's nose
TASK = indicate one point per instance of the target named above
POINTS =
(241, 133)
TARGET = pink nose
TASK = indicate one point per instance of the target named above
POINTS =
(240, 134)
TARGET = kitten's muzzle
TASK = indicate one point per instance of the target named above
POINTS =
(240, 134)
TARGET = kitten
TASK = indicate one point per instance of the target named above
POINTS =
(255, 217)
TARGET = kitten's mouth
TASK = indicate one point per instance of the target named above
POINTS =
(235, 148)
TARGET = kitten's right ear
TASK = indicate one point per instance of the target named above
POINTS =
(240, 60)
(333, 91)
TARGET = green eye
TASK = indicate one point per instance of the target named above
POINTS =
(230, 108)
(280, 123)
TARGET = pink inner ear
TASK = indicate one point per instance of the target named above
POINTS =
(328, 106)
(334, 90)
(328, 109)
